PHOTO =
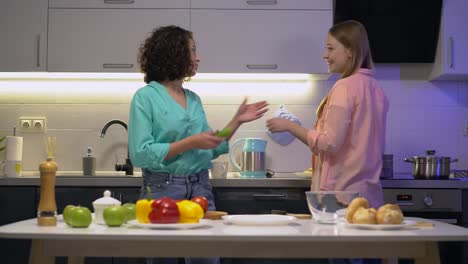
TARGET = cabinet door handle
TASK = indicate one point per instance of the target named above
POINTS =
(263, 196)
(262, 66)
(405, 203)
(262, 2)
(117, 65)
(127, 2)
(38, 50)
(450, 52)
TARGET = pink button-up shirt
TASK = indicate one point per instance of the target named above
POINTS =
(350, 137)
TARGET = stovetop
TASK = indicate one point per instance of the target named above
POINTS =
(454, 175)
(459, 175)
(407, 181)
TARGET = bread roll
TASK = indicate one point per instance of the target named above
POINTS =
(354, 205)
(214, 215)
(364, 216)
(389, 214)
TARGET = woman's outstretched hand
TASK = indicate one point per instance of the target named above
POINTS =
(250, 112)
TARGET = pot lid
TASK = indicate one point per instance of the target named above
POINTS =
(430, 158)
(107, 200)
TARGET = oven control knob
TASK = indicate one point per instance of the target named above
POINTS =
(428, 201)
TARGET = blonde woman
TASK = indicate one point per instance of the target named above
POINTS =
(348, 139)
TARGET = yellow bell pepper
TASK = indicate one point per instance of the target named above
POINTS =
(143, 208)
(190, 212)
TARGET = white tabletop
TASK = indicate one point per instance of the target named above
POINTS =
(217, 230)
(299, 239)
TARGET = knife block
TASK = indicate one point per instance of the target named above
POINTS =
(47, 209)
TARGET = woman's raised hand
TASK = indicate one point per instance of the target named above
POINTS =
(250, 112)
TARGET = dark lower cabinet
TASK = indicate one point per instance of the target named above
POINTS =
(260, 200)
(85, 196)
(16, 204)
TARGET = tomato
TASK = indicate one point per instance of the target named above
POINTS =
(164, 211)
(202, 201)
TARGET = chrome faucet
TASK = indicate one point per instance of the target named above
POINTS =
(128, 166)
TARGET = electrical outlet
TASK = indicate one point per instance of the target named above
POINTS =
(35, 124)
(25, 124)
(38, 124)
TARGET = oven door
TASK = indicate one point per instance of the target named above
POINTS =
(443, 205)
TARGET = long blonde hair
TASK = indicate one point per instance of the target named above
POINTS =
(353, 35)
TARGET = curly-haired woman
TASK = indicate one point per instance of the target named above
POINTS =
(169, 137)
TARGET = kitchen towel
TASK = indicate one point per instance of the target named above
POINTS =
(14, 148)
(284, 138)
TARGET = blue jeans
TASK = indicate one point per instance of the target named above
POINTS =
(179, 187)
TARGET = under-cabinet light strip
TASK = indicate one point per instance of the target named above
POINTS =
(138, 76)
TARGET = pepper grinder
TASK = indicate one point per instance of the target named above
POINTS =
(47, 209)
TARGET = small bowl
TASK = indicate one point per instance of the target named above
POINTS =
(328, 206)
(101, 204)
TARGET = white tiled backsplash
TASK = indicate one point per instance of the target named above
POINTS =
(423, 115)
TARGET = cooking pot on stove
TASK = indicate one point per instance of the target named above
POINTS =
(431, 166)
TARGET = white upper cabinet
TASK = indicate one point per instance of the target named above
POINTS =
(262, 4)
(451, 62)
(260, 41)
(23, 29)
(233, 36)
(119, 4)
(104, 40)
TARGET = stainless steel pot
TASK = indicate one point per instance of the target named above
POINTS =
(431, 166)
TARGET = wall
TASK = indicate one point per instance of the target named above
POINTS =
(423, 115)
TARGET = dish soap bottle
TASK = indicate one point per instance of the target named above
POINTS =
(89, 163)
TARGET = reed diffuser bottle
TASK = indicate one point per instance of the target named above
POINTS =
(47, 209)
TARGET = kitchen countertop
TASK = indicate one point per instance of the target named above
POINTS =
(279, 180)
(217, 238)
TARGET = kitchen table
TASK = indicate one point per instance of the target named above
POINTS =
(300, 239)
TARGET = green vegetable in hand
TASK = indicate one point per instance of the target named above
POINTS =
(224, 132)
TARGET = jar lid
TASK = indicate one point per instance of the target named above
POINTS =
(107, 200)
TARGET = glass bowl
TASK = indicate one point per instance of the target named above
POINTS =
(328, 206)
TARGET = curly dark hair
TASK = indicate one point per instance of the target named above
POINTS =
(165, 54)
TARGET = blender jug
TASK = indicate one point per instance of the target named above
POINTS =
(252, 162)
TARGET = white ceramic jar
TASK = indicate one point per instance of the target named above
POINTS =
(101, 204)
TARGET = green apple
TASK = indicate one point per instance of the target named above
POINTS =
(66, 213)
(129, 211)
(114, 215)
(79, 216)
(224, 132)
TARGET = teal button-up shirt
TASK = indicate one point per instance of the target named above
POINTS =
(156, 120)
